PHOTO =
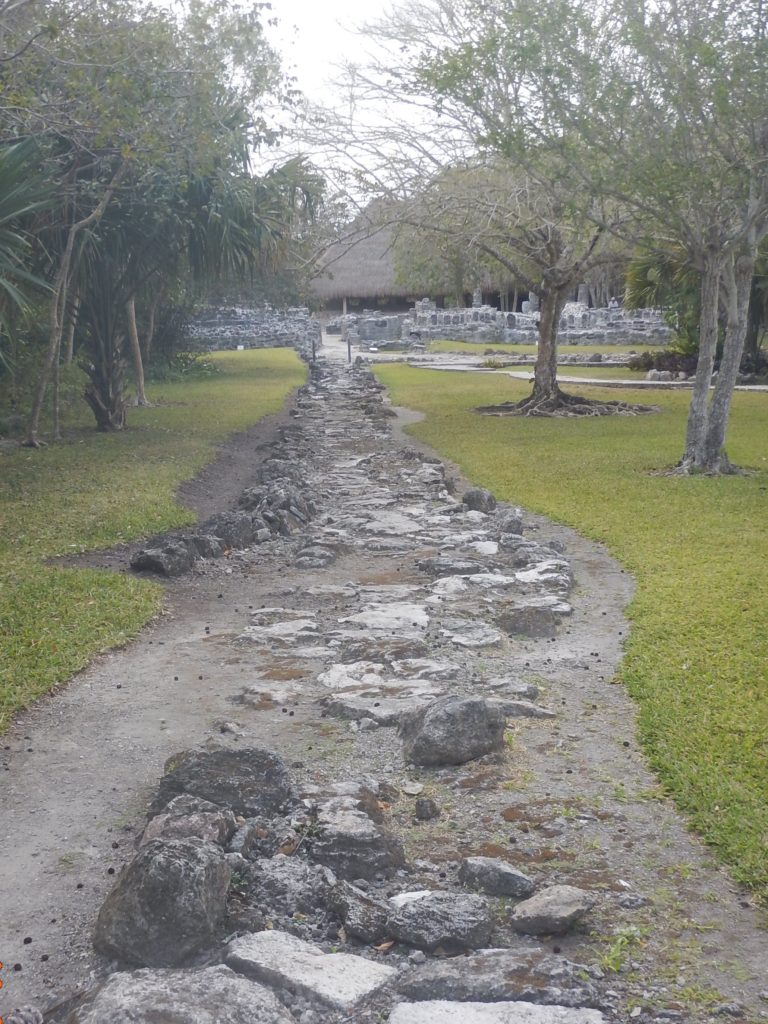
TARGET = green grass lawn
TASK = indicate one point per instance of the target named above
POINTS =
(507, 348)
(600, 372)
(597, 372)
(96, 490)
(697, 658)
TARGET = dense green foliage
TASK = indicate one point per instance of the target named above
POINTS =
(697, 655)
(74, 497)
(145, 124)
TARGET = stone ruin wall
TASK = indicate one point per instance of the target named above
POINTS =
(579, 325)
(232, 327)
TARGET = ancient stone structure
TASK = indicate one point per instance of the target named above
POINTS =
(579, 325)
(227, 327)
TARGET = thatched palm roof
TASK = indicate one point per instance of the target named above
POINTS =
(360, 266)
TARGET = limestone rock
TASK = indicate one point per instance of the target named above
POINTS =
(443, 1012)
(447, 566)
(452, 730)
(166, 905)
(453, 921)
(521, 708)
(216, 825)
(528, 620)
(364, 918)
(477, 499)
(249, 781)
(172, 559)
(234, 529)
(352, 845)
(552, 911)
(385, 711)
(496, 877)
(203, 545)
(495, 975)
(509, 521)
(25, 1015)
(470, 634)
(426, 809)
(401, 618)
(338, 980)
(287, 884)
(215, 995)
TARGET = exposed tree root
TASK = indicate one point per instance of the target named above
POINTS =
(721, 466)
(562, 404)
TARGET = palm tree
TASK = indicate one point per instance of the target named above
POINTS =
(22, 193)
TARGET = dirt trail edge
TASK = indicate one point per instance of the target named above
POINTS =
(394, 594)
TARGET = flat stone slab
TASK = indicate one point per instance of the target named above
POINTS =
(465, 633)
(281, 633)
(339, 980)
(215, 995)
(385, 711)
(442, 1012)
(391, 524)
(355, 674)
(398, 617)
(500, 976)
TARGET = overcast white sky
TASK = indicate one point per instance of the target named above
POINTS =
(314, 35)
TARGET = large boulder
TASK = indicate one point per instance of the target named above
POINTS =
(496, 877)
(187, 817)
(452, 730)
(234, 529)
(477, 499)
(364, 917)
(250, 781)
(203, 545)
(169, 559)
(288, 884)
(552, 911)
(351, 844)
(451, 921)
(166, 905)
(215, 995)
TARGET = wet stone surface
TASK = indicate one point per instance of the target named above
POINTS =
(353, 583)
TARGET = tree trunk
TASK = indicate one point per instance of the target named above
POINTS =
(58, 305)
(149, 337)
(104, 391)
(545, 387)
(56, 399)
(738, 280)
(138, 366)
(696, 432)
(754, 327)
(69, 338)
(55, 327)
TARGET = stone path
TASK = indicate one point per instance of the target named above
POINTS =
(457, 823)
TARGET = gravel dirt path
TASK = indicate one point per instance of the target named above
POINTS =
(569, 801)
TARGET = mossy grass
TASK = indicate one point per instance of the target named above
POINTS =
(96, 490)
(696, 660)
